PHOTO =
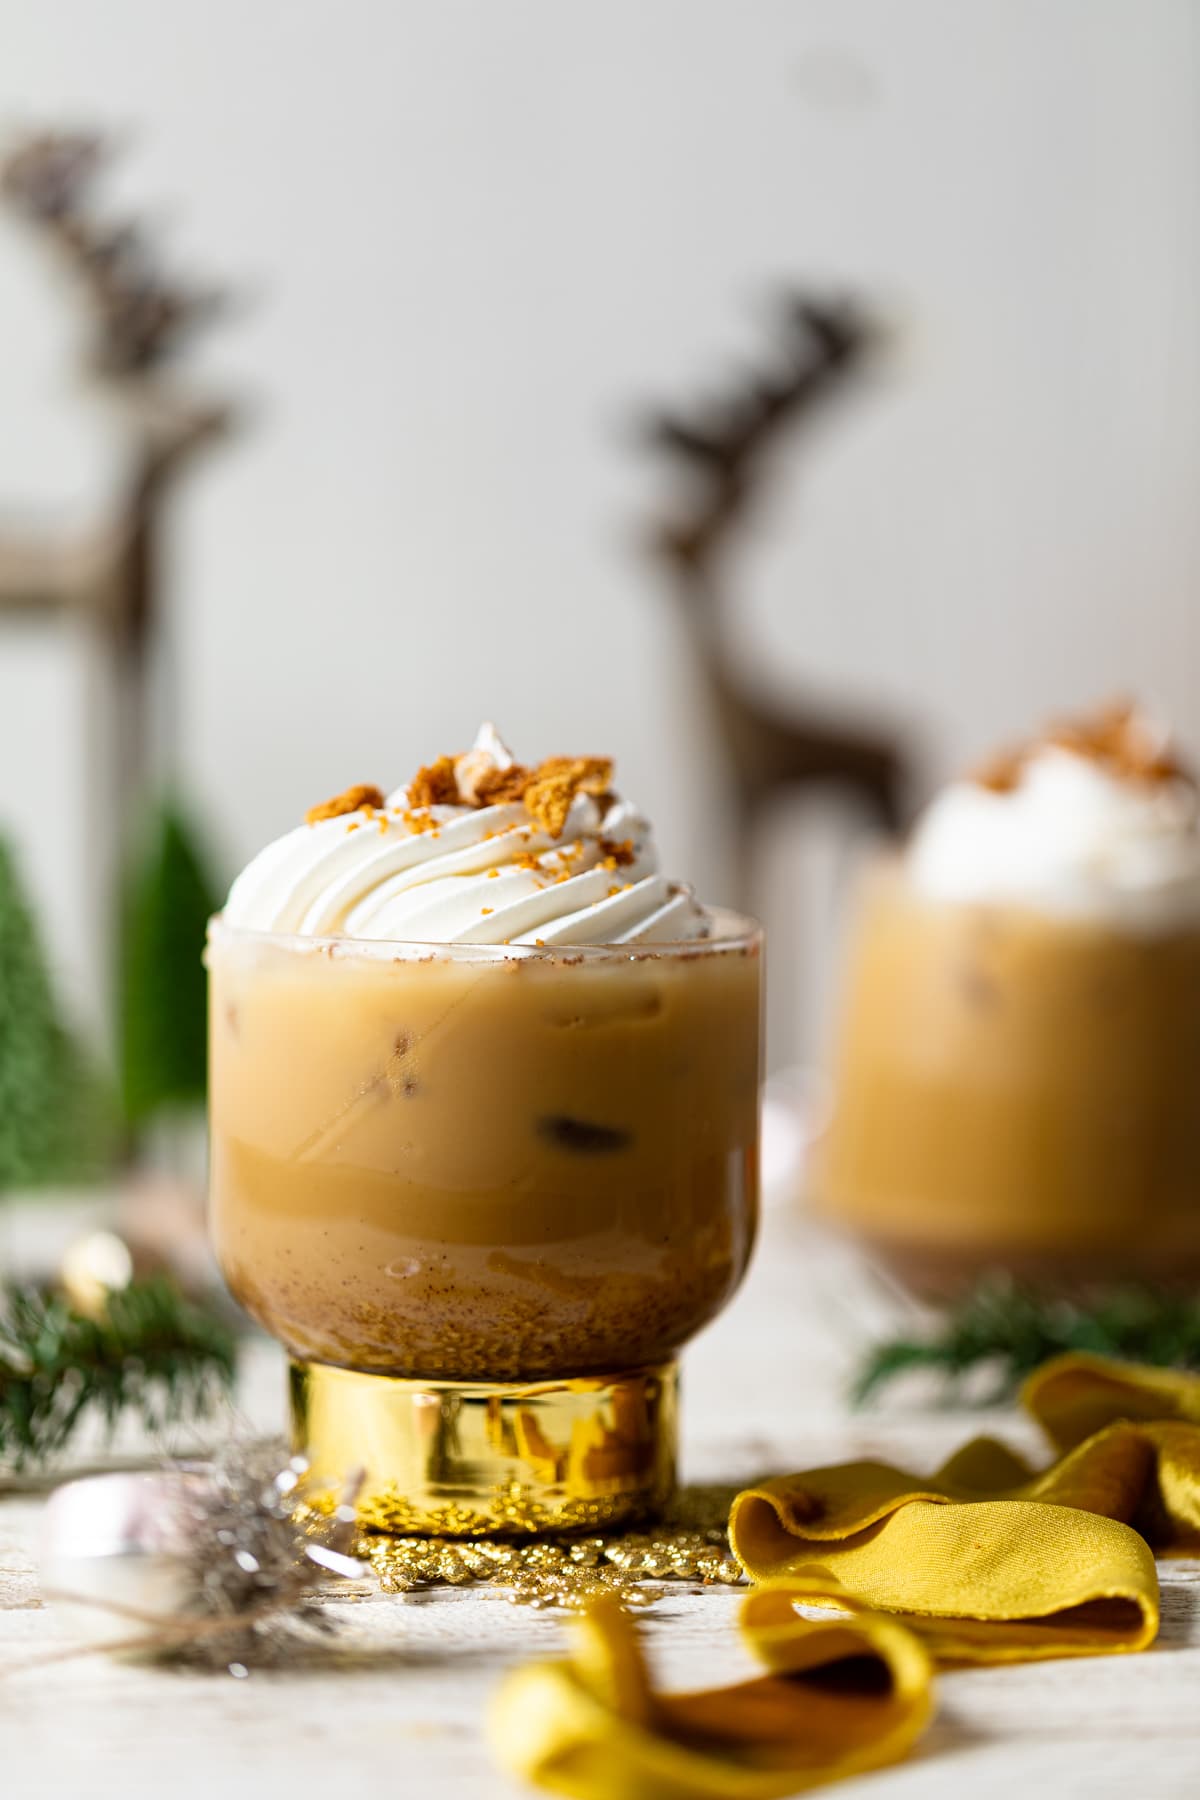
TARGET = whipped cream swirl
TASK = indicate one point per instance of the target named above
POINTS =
(1072, 835)
(469, 874)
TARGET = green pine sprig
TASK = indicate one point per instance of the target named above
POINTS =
(1007, 1331)
(153, 1353)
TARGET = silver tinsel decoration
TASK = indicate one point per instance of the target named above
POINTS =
(214, 1563)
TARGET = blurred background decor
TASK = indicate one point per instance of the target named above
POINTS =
(58, 1115)
(729, 451)
(97, 1330)
(111, 578)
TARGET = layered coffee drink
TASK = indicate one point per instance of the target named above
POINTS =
(481, 1166)
(484, 1084)
(1017, 1068)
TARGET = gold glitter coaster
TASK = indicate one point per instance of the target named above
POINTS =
(689, 1543)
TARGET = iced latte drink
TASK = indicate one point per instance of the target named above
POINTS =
(1018, 1062)
(484, 1133)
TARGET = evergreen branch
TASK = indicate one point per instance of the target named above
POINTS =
(153, 1353)
(1011, 1330)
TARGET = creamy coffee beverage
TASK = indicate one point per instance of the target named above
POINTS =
(1017, 1070)
(484, 1084)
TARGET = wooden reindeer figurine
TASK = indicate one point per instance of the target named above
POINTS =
(726, 455)
(139, 320)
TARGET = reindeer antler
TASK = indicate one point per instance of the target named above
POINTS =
(827, 342)
(141, 318)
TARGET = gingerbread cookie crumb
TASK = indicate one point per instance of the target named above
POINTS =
(1001, 772)
(435, 785)
(500, 787)
(557, 781)
(1116, 736)
(547, 791)
(1119, 737)
(351, 799)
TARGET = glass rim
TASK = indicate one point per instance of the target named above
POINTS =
(733, 932)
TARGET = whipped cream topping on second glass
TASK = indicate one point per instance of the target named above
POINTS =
(564, 862)
(1097, 822)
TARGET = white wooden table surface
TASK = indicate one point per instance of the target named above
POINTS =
(762, 1390)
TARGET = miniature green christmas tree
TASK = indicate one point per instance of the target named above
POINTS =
(57, 1119)
(170, 894)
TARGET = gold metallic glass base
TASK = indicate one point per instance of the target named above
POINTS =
(470, 1459)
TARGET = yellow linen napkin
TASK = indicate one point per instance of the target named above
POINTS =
(1074, 1396)
(988, 1561)
(842, 1696)
(985, 1581)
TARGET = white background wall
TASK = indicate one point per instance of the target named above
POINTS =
(475, 234)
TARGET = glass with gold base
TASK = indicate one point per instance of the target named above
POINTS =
(483, 1195)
